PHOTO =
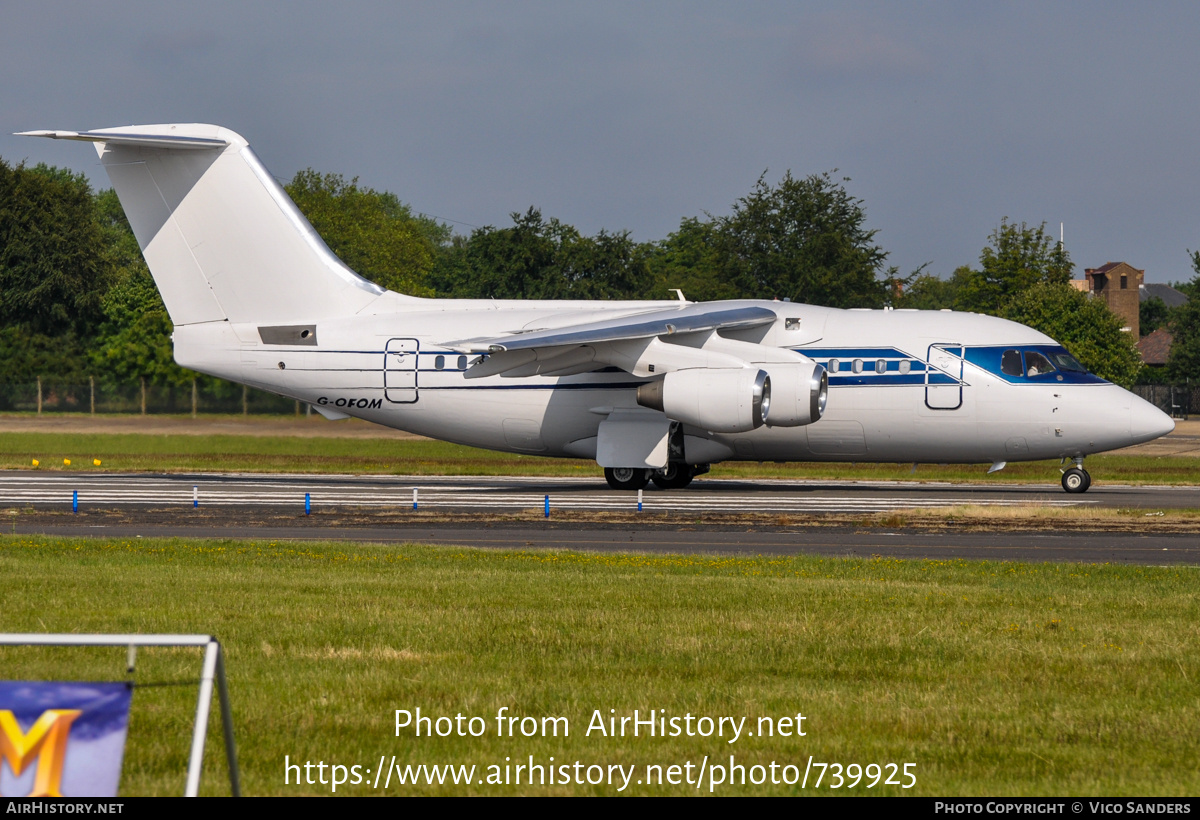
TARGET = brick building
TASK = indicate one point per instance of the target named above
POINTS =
(1119, 285)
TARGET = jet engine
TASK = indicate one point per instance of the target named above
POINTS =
(732, 400)
(798, 394)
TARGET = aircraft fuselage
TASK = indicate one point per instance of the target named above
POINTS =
(904, 386)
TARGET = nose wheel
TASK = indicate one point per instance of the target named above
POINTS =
(1076, 480)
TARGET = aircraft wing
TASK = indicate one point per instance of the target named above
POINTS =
(622, 342)
(690, 319)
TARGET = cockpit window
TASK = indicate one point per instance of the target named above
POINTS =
(1010, 363)
(1036, 364)
(1066, 361)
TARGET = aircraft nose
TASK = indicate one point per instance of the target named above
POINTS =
(1147, 422)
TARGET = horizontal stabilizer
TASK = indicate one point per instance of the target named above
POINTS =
(115, 137)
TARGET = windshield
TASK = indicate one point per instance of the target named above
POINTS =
(1067, 362)
(1036, 363)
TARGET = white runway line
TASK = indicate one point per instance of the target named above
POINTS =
(490, 494)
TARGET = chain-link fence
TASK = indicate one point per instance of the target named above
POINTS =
(216, 396)
(1176, 400)
(95, 396)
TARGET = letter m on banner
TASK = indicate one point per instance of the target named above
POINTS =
(62, 739)
(46, 741)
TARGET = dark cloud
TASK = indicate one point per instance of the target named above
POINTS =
(175, 49)
(856, 46)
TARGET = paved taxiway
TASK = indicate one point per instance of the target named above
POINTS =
(271, 507)
(1087, 547)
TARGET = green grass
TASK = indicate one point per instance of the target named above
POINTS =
(1114, 469)
(993, 678)
(295, 454)
(282, 454)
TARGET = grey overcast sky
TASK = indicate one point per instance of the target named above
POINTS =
(945, 116)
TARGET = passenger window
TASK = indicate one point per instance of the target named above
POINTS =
(440, 363)
(1036, 364)
(1010, 363)
(857, 366)
(880, 366)
(462, 362)
(905, 366)
(833, 365)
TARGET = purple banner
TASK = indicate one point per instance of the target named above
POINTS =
(62, 739)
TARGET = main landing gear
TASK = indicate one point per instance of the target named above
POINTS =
(1076, 479)
(627, 478)
(675, 476)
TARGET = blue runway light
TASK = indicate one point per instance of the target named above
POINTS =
(547, 506)
(307, 504)
(74, 501)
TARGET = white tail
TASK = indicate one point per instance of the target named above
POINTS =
(221, 237)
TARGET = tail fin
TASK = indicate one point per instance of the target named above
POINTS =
(221, 237)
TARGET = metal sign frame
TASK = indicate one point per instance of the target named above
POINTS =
(212, 671)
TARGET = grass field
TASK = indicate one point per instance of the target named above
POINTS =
(993, 678)
(295, 454)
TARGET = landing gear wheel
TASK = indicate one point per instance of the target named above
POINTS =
(674, 476)
(626, 478)
(1076, 480)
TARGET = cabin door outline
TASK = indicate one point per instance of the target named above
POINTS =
(943, 376)
(401, 361)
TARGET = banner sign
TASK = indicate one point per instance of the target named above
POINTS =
(62, 739)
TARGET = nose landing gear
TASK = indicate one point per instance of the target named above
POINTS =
(1076, 479)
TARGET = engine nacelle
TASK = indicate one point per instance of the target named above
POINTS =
(798, 393)
(727, 400)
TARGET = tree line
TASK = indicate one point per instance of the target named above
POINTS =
(76, 298)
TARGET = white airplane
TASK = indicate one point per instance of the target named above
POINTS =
(654, 390)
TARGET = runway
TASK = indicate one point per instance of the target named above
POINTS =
(836, 542)
(509, 494)
(379, 509)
